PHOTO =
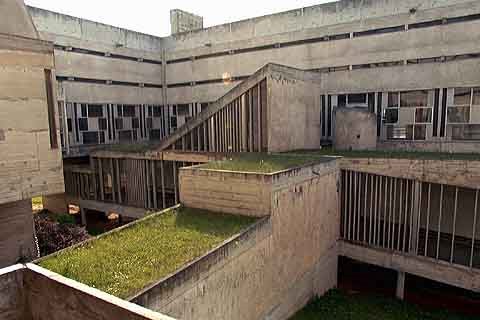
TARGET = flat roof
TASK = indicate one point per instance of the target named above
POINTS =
(126, 260)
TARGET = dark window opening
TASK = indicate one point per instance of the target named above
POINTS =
(135, 123)
(102, 137)
(95, 110)
(155, 134)
(83, 124)
(129, 111)
(90, 137)
(84, 110)
(69, 125)
(119, 123)
(149, 123)
(342, 100)
(102, 124)
(125, 135)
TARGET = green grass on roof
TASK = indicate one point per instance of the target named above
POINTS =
(422, 155)
(336, 305)
(263, 162)
(122, 263)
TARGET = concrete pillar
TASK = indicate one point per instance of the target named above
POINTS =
(400, 285)
(16, 233)
(56, 203)
(83, 216)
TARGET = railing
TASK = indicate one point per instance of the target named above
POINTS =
(410, 216)
(140, 183)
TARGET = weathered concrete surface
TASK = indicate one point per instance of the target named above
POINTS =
(182, 21)
(16, 233)
(355, 129)
(230, 192)
(462, 173)
(440, 271)
(16, 20)
(29, 165)
(293, 113)
(31, 292)
(12, 298)
(275, 268)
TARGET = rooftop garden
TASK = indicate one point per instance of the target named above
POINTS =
(337, 305)
(394, 154)
(265, 163)
(125, 261)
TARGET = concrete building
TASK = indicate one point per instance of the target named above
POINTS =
(30, 156)
(275, 83)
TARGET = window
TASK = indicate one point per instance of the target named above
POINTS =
(149, 123)
(102, 137)
(155, 134)
(393, 100)
(462, 96)
(135, 136)
(135, 123)
(102, 124)
(458, 114)
(95, 110)
(465, 131)
(414, 99)
(119, 110)
(84, 110)
(125, 135)
(419, 132)
(69, 125)
(52, 123)
(157, 111)
(357, 98)
(173, 122)
(423, 115)
(476, 97)
(90, 137)
(342, 100)
(83, 124)
(129, 111)
(391, 116)
(119, 123)
(150, 111)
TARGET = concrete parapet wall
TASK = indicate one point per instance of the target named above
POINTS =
(31, 292)
(355, 129)
(461, 173)
(16, 233)
(272, 269)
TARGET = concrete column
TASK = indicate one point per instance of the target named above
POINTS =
(400, 285)
(83, 217)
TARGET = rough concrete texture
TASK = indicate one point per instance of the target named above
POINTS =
(293, 113)
(16, 233)
(12, 299)
(182, 21)
(16, 20)
(30, 165)
(231, 192)
(276, 268)
(355, 129)
(29, 292)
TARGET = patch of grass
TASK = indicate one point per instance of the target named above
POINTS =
(124, 262)
(263, 162)
(336, 305)
(423, 155)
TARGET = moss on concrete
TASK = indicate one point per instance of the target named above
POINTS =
(122, 263)
(420, 155)
(264, 163)
(336, 305)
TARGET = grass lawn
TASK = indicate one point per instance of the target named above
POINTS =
(122, 263)
(263, 162)
(390, 154)
(336, 305)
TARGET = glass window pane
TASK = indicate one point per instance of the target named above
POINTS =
(125, 135)
(392, 100)
(342, 100)
(409, 132)
(357, 98)
(466, 131)
(396, 133)
(83, 124)
(129, 111)
(461, 96)
(95, 111)
(102, 124)
(476, 96)
(420, 132)
(90, 137)
(414, 98)
(391, 116)
(458, 114)
(423, 115)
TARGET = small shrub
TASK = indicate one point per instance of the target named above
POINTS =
(66, 219)
(53, 235)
